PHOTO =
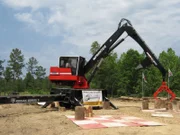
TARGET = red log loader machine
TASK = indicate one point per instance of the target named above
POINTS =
(72, 72)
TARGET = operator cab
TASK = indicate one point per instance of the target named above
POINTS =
(76, 63)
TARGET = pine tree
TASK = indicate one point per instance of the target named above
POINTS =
(16, 63)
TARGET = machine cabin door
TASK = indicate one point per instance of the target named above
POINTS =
(75, 63)
(82, 62)
(70, 62)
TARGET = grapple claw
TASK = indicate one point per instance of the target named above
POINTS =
(166, 88)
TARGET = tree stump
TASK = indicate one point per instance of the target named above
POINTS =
(160, 104)
(145, 104)
(63, 109)
(57, 104)
(178, 106)
(169, 106)
(106, 105)
(88, 111)
(52, 105)
(79, 113)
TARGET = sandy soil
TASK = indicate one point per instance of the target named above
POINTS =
(19, 119)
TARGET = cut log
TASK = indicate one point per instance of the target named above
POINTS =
(79, 113)
(91, 114)
(88, 111)
(106, 105)
(160, 104)
(145, 105)
(169, 105)
(52, 105)
(178, 106)
(63, 109)
(57, 104)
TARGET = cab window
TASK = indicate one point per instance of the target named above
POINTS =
(69, 62)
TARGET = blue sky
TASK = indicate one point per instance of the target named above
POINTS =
(47, 29)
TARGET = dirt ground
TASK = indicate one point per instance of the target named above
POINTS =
(20, 119)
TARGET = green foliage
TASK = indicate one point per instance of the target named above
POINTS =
(40, 72)
(128, 76)
(1, 76)
(8, 74)
(31, 66)
(1, 68)
(29, 81)
(94, 47)
(169, 59)
(35, 80)
(154, 80)
(34, 92)
(20, 86)
(109, 64)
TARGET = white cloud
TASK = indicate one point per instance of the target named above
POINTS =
(25, 17)
(34, 4)
(81, 22)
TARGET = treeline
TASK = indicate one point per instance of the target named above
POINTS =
(116, 74)
(18, 76)
(119, 76)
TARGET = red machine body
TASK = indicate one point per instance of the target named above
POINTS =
(69, 73)
(64, 76)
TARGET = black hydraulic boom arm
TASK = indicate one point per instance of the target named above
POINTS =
(114, 40)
